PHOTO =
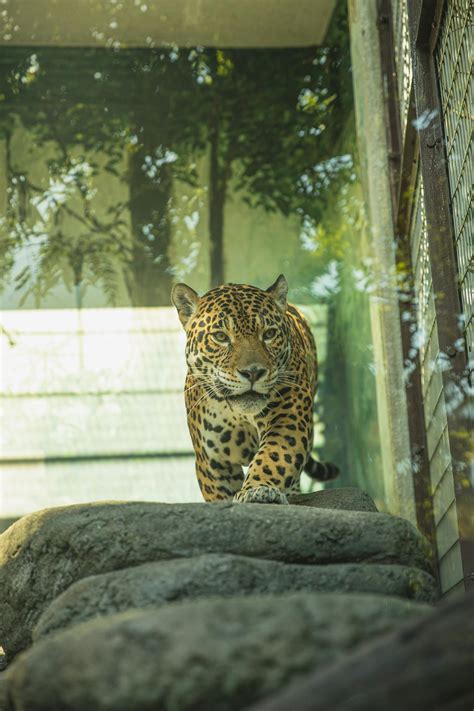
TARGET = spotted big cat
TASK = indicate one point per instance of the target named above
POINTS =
(249, 391)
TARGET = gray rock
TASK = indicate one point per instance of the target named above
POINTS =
(155, 584)
(44, 553)
(348, 498)
(424, 665)
(218, 654)
(3, 691)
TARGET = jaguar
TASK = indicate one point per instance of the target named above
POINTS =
(249, 390)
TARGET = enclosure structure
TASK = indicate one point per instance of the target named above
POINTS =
(423, 156)
(401, 351)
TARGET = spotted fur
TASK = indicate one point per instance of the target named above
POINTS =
(252, 377)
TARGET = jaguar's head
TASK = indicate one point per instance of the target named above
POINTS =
(238, 340)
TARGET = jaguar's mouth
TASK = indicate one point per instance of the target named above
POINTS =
(248, 396)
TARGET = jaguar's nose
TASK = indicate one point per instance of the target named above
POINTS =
(253, 373)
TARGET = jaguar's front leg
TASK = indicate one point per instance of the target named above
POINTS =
(218, 482)
(262, 494)
(275, 470)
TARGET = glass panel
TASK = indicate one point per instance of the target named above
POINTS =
(131, 165)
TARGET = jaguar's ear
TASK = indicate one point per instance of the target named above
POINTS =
(279, 291)
(186, 301)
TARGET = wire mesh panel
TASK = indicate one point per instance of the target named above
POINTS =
(434, 403)
(426, 320)
(454, 62)
(402, 57)
(427, 331)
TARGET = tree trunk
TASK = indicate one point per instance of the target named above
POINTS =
(424, 666)
(217, 196)
(150, 282)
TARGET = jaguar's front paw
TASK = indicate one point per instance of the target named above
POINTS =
(261, 495)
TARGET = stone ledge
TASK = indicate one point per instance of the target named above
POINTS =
(44, 553)
(156, 584)
(214, 653)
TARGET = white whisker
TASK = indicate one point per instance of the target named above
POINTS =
(191, 387)
(206, 395)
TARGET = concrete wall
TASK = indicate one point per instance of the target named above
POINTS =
(92, 408)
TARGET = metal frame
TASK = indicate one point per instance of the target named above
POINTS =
(402, 160)
(424, 22)
(427, 145)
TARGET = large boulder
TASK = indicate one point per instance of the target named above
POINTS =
(44, 553)
(219, 654)
(156, 584)
(426, 664)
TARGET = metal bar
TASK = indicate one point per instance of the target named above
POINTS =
(387, 55)
(423, 22)
(408, 169)
(403, 179)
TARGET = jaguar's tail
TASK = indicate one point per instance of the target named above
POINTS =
(321, 471)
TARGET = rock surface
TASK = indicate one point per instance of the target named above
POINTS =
(156, 584)
(424, 665)
(44, 553)
(209, 654)
(347, 499)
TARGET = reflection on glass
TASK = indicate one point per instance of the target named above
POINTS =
(128, 169)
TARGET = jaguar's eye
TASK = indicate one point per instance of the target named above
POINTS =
(220, 337)
(270, 334)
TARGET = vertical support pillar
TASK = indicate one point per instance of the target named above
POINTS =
(402, 156)
(387, 341)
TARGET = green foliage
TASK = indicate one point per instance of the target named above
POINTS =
(273, 117)
(39, 218)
